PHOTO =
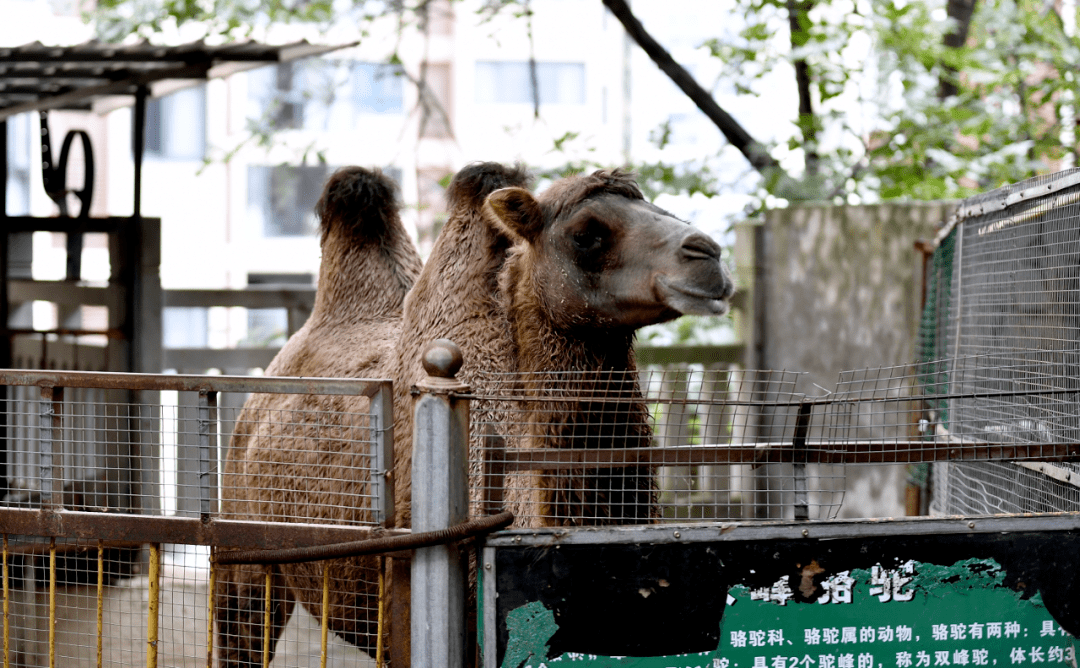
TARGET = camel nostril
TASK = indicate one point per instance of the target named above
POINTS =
(697, 246)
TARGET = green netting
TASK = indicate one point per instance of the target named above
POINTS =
(932, 344)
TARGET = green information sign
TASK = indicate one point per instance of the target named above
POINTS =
(902, 615)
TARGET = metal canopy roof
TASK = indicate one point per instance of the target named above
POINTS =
(91, 75)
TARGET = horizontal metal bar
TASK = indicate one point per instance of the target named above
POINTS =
(63, 331)
(814, 529)
(102, 224)
(837, 398)
(1067, 476)
(67, 293)
(299, 297)
(670, 401)
(199, 359)
(191, 383)
(724, 354)
(127, 86)
(816, 452)
(137, 529)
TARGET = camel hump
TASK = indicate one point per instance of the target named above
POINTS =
(474, 182)
(359, 201)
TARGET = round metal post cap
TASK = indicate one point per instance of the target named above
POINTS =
(442, 358)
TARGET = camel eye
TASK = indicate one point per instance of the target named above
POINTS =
(590, 237)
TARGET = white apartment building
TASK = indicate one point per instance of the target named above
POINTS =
(236, 207)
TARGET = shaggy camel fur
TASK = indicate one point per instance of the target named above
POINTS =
(455, 298)
(276, 471)
(522, 284)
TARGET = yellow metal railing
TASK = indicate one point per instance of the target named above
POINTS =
(154, 608)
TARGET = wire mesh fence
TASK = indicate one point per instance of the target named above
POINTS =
(676, 444)
(603, 448)
(1004, 281)
(141, 471)
(112, 483)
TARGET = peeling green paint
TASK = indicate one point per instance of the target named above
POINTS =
(903, 615)
(531, 627)
(963, 574)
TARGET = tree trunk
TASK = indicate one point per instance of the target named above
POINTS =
(960, 11)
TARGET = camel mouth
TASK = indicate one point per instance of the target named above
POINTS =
(690, 300)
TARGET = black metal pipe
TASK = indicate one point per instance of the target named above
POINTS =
(138, 145)
(357, 548)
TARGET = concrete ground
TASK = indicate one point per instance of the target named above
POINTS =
(182, 627)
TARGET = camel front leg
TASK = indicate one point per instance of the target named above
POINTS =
(241, 614)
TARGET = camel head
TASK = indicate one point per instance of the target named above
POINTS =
(599, 255)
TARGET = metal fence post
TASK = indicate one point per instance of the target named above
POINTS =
(439, 500)
(208, 446)
(382, 425)
(802, 428)
(50, 407)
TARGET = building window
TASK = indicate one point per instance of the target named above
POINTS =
(185, 327)
(377, 88)
(326, 95)
(509, 82)
(281, 199)
(176, 125)
(268, 327)
(18, 160)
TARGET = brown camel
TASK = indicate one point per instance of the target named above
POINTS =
(592, 263)
(281, 471)
(522, 284)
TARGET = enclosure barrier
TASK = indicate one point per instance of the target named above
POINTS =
(114, 476)
(115, 488)
(568, 449)
(1003, 281)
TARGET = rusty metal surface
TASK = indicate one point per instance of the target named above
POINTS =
(190, 383)
(116, 528)
(89, 75)
(381, 544)
(822, 530)
(815, 452)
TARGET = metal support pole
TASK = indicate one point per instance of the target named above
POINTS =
(138, 145)
(207, 454)
(49, 408)
(382, 431)
(5, 338)
(440, 500)
(153, 606)
(802, 428)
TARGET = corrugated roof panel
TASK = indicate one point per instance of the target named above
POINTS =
(35, 76)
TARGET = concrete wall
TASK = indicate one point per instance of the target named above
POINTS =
(839, 288)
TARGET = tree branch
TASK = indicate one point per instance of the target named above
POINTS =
(735, 133)
(798, 23)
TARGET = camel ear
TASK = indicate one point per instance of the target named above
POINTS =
(517, 213)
